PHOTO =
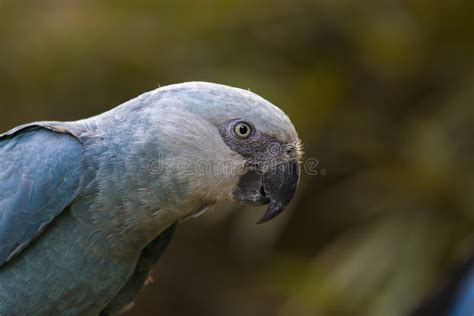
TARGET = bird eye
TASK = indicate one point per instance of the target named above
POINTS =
(242, 130)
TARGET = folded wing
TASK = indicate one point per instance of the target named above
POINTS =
(40, 172)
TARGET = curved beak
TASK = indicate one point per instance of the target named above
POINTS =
(280, 183)
(274, 186)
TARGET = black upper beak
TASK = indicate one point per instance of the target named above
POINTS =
(275, 186)
(280, 183)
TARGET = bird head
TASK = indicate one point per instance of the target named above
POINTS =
(237, 145)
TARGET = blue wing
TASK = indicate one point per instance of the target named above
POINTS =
(149, 257)
(40, 171)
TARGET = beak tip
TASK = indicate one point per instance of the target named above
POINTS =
(262, 220)
(273, 211)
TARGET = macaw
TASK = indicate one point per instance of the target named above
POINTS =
(88, 207)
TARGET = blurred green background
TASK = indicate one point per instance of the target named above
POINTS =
(381, 93)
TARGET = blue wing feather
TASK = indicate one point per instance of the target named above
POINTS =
(40, 172)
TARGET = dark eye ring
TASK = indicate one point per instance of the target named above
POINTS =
(242, 130)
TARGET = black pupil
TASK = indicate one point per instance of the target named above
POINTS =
(243, 129)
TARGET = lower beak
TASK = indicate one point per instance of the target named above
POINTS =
(279, 183)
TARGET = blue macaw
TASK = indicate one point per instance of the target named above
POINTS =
(88, 207)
